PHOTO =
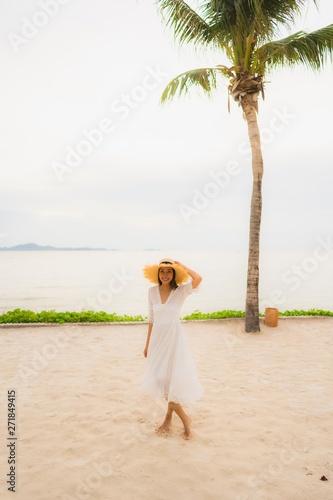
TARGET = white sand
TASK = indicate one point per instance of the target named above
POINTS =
(263, 430)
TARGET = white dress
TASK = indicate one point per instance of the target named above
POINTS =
(171, 372)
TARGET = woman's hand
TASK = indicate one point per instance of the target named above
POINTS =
(196, 278)
(145, 351)
(180, 264)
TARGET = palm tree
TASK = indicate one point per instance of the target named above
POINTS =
(244, 30)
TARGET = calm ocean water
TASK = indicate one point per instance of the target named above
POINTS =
(112, 281)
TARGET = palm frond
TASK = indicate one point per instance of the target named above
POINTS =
(271, 13)
(246, 16)
(187, 25)
(206, 78)
(242, 25)
(311, 49)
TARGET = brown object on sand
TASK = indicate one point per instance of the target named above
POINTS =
(271, 316)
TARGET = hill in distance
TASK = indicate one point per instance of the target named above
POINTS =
(35, 248)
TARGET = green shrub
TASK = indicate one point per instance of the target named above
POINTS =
(27, 316)
(215, 315)
(310, 312)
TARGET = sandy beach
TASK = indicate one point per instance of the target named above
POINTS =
(263, 429)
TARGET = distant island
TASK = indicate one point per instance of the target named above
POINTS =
(38, 248)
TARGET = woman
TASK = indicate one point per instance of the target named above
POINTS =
(171, 372)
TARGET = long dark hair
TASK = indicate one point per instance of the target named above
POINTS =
(173, 283)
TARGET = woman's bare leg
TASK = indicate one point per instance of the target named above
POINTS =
(165, 427)
(183, 417)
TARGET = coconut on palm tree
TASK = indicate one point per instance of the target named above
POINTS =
(245, 32)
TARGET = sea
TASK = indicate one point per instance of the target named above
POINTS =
(112, 281)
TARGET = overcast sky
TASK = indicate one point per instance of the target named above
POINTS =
(90, 158)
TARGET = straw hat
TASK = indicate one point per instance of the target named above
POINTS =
(151, 272)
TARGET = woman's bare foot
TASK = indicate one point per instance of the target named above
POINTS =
(165, 427)
(183, 417)
(187, 427)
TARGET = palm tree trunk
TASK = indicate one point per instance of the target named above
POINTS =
(249, 105)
